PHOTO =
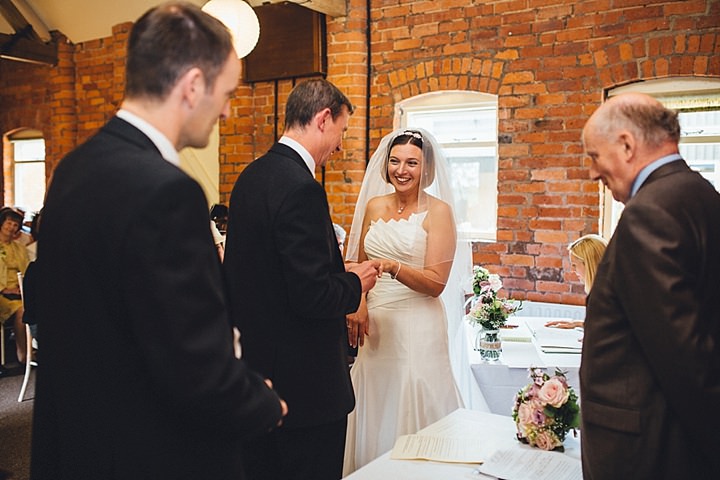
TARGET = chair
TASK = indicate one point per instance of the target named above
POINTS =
(29, 345)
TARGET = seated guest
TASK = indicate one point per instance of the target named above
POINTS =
(218, 240)
(219, 215)
(218, 227)
(23, 233)
(13, 259)
(585, 255)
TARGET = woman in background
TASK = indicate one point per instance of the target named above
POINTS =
(13, 259)
(402, 376)
(585, 255)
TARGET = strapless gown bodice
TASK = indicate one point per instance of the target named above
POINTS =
(404, 240)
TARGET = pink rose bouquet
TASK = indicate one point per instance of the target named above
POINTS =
(546, 410)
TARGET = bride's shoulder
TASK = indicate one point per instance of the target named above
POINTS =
(377, 204)
(437, 206)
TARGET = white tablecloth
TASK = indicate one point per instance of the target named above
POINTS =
(500, 381)
(496, 431)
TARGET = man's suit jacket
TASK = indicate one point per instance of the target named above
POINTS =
(650, 373)
(138, 378)
(288, 288)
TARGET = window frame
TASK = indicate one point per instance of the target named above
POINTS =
(679, 93)
(458, 101)
(11, 162)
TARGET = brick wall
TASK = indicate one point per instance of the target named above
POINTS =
(549, 62)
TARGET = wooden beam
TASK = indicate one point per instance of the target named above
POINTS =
(25, 44)
(17, 47)
(333, 8)
(16, 20)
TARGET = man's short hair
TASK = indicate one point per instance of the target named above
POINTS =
(169, 40)
(650, 121)
(310, 97)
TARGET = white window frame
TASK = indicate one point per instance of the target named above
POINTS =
(30, 197)
(678, 93)
(462, 102)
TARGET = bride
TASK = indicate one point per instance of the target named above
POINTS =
(402, 377)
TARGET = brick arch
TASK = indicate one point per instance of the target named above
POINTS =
(427, 76)
(459, 73)
(679, 54)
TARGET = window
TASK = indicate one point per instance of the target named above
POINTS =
(697, 102)
(465, 125)
(700, 143)
(29, 173)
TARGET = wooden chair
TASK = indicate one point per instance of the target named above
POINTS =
(29, 345)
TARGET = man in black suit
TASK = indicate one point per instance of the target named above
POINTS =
(139, 378)
(650, 372)
(289, 290)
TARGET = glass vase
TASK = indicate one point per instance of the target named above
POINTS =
(489, 345)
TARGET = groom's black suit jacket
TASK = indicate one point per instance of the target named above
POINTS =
(288, 288)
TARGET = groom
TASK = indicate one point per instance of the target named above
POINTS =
(289, 291)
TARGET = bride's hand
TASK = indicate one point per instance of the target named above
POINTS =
(358, 325)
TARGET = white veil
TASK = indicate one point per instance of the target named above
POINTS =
(458, 284)
(374, 183)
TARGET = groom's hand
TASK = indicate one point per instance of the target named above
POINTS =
(283, 405)
(368, 272)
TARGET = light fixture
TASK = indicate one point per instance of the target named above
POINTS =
(240, 19)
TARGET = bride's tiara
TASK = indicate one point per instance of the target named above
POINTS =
(412, 133)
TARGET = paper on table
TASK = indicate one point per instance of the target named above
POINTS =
(439, 449)
(516, 332)
(561, 349)
(556, 340)
(532, 464)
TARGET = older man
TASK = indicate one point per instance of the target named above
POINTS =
(139, 378)
(650, 373)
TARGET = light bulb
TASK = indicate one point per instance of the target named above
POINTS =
(240, 19)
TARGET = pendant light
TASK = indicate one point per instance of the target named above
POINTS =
(240, 19)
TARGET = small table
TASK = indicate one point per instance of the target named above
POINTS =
(500, 381)
(497, 430)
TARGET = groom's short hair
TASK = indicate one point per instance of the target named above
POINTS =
(310, 97)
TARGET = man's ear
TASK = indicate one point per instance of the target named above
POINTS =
(192, 84)
(628, 145)
(322, 117)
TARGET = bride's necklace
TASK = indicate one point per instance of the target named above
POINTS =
(401, 207)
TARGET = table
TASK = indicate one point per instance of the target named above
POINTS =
(497, 431)
(500, 381)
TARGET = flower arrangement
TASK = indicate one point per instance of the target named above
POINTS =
(546, 410)
(489, 311)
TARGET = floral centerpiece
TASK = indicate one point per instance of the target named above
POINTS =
(546, 410)
(489, 311)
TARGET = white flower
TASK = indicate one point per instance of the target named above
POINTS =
(495, 282)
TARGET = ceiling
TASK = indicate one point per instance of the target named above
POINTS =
(82, 20)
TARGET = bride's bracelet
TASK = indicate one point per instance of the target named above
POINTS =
(397, 271)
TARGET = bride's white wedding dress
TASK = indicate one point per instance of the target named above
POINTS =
(402, 376)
